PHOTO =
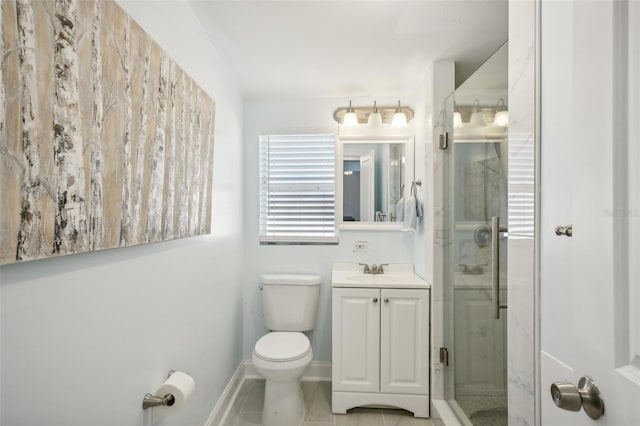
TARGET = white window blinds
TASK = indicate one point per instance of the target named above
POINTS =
(298, 189)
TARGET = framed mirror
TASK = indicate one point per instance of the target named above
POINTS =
(374, 176)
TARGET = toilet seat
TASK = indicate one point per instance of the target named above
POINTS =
(282, 346)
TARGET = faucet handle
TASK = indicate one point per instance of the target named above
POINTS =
(366, 268)
(381, 267)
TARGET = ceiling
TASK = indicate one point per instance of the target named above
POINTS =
(357, 48)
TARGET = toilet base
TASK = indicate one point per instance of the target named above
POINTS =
(283, 404)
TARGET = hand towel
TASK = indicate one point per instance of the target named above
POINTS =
(410, 214)
(400, 210)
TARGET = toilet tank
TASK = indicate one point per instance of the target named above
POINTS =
(290, 301)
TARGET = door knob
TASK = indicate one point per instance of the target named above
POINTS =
(587, 395)
(566, 396)
(567, 230)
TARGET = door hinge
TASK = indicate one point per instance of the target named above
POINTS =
(444, 140)
(444, 356)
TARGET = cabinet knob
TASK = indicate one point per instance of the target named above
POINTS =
(375, 300)
(386, 300)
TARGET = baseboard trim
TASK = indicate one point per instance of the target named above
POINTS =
(225, 402)
(316, 371)
(250, 371)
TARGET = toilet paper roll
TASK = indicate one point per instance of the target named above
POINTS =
(181, 386)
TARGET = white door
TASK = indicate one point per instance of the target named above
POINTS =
(590, 282)
(404, 341)
(367, 186)
(356, 340)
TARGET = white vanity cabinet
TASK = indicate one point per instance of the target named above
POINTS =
(380, 353)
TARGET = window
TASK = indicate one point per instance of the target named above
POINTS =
(298, 189)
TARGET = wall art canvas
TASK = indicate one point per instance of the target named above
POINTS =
(104, 141)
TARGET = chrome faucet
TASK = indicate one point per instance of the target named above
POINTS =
(373, 269)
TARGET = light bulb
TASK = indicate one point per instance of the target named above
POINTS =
(375, 119)
(350, 117)
(477, 118)
(502, 116)
(457, 119)
(501, 119)
(399, 118)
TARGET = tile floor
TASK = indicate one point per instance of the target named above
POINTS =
(247, 409)
(485, 410)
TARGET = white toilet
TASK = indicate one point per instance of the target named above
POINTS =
(289, 303)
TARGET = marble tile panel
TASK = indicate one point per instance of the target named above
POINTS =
(317, 401)
(238, 402)
(520, 330)
(249, 418)
(521, 372)
(318, 424)
(255, 399)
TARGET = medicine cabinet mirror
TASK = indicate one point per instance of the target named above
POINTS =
(374, 175)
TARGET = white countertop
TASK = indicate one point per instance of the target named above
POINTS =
(396, 275)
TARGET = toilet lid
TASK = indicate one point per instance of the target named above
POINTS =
(280, 346)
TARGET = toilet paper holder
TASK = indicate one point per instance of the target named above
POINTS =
(150, 401)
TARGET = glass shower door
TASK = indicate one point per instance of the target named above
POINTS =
(476, 261)
(479, 263)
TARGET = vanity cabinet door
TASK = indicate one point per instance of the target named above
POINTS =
(404, 345)
(356, 339)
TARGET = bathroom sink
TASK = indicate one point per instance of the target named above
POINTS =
(395, 276)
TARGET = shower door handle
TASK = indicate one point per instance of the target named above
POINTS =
(495, 266)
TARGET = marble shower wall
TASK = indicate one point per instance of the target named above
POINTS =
(521, 291)
(443, 88)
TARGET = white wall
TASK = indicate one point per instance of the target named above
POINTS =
(277, 116)
(84, 337)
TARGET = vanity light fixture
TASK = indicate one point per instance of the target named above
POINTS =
(350, 117)
(399, 118)
(502, 115)
(375, 119)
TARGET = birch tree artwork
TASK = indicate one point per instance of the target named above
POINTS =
(105, 142)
